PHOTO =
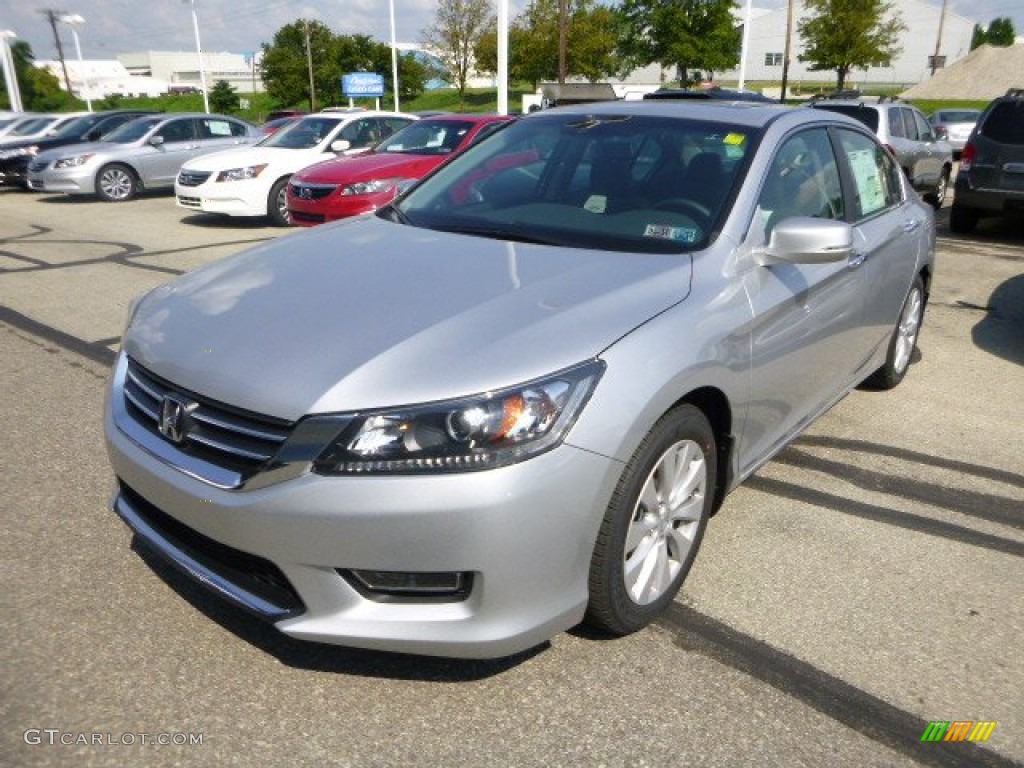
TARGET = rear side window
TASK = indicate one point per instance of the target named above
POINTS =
(876, 177)
(1005, 123)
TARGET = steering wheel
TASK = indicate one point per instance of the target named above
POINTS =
(700, 213)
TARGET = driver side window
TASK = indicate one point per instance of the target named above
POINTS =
(803, 180)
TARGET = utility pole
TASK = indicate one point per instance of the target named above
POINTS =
(309, 64)
(53, 17)
(938, 40)
(785, 56)
(563, 38)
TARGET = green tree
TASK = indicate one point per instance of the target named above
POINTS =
(223, 97)
(685, 34)
(454, 34)
(1001, 33)
(286, 67)
(978, 36)
(533, 43)
(40, 90)
(840, 35)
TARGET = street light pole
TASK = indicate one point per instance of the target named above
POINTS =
(10, 75)
(199, 53)
(394, 53)
(73, 20)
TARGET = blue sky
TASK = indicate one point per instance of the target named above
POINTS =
(114, 26)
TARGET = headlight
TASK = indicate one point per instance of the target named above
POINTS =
(241, 174)
(472, 433)
(72, 162)
(368, 187)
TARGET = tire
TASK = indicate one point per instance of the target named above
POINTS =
(116, 183)
(277, 203)
(962, 219)
(654, 523)
(938, 197)
(903, 341)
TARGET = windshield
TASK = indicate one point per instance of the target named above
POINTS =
(304, 133)
(33, 126)
(133, 130)
(629, 183)
(864, 114)
(958, 116)
(427, 137)
(75, 128)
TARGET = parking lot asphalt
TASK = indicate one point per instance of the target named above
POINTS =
(867, 581)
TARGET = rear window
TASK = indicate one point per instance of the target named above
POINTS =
(867, 116)
(1005, 123)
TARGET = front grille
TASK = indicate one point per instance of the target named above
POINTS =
(253, 574)
(315, 218)
(191, 202)
(38, 165)
(305, 191)
(193, 178)
(228, 437)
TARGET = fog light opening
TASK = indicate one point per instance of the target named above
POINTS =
(411, 585)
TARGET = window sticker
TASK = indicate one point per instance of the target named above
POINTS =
(868, 179)
(734, 139)
(219, 128)
(596, 204)
(666, 232)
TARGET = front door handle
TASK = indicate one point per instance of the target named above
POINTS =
(911, 225)
(856, 259)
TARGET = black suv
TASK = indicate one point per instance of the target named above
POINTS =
(990, 181)
(14, 158)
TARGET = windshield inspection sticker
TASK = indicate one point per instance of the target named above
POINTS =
(665, 232)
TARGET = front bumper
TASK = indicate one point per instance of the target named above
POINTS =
(234, 198)
(75, 181)
(525, 532)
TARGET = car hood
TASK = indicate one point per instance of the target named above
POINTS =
(281, 159)
(366, 167)
(367, 313)
(85, 147)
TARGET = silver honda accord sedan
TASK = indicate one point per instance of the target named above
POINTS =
(509, 402)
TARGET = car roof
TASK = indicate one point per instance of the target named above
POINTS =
(754, 114)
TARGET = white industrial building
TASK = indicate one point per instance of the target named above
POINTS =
(767, 45)
(97, 79)
(180, 69)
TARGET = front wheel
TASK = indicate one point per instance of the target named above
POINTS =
(903, 341)
(116, 183)
(277, 203)
(654, 523)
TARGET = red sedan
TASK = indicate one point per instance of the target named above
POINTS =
(347, 186)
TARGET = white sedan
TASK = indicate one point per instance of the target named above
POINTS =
(252, 181)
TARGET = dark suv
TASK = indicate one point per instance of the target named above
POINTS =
(990, 181)
(14, 158)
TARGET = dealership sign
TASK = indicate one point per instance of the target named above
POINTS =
(362, 84)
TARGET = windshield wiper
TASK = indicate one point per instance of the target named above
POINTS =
(497, 233)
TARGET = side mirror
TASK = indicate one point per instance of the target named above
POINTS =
(804, 240)
(156, 141)
(341, 145)
(93, 135)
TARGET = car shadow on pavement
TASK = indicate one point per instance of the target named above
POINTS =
(1001, 331)
(219, 221)
(323, 657)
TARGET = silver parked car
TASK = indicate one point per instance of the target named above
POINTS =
(955, 126)
(926, 157)
(145, 153)
(509, 401)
